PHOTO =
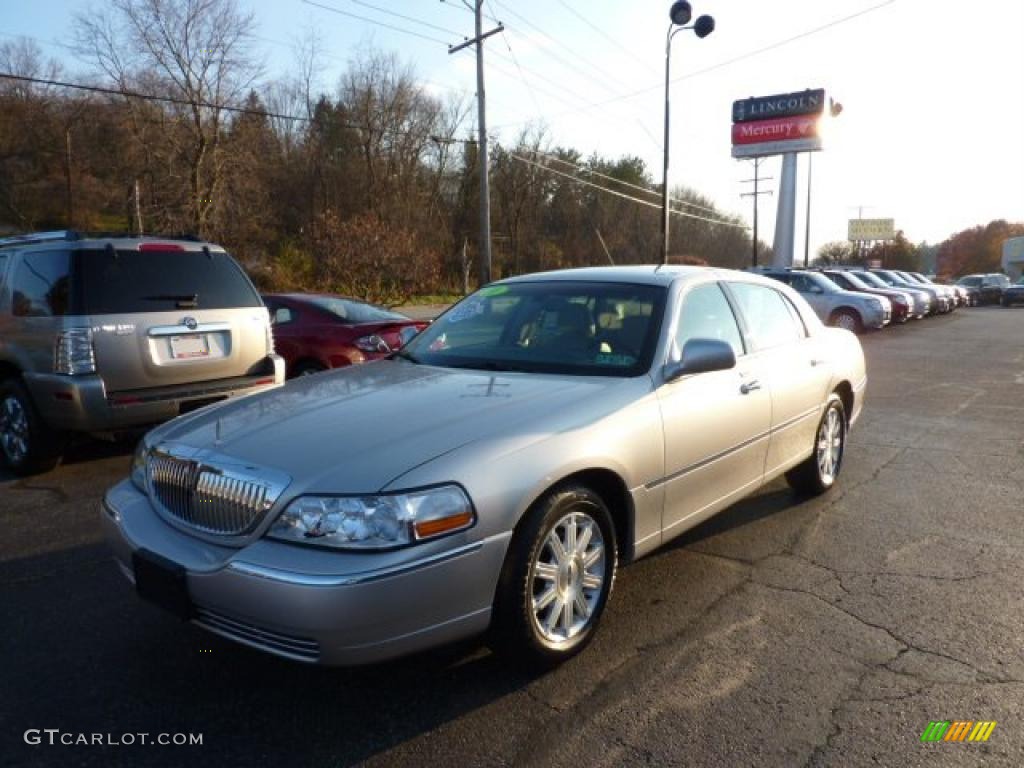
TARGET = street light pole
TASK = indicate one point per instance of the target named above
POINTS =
(680, 14)
(664, 177)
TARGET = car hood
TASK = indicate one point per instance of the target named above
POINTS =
(354, 430)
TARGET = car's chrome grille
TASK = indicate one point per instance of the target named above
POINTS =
(207, 497)
(299, 648)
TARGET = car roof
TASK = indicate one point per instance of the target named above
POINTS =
(301, 296)
(641, 274)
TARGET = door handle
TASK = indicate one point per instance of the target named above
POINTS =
(749, 386)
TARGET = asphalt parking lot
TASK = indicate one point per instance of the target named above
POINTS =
(824, 632)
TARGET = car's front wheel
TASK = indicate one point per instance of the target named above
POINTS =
(848, 320)
(557, 577)
(819, 472)
(27, 444)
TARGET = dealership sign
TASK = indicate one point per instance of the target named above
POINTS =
(869, 230)
(775, 125)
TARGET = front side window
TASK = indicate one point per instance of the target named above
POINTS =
(706, 314)
(42, 285)
(587, 329)
(770, 322)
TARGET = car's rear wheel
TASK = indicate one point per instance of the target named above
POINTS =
(819, 472)
(848, 320)
(557, 577)
(27, 444)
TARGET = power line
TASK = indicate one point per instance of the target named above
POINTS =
(209, 105)
(378, 23)
(402, 16)
(604, 34)
(645, 190)
(515, 61)
(624, 196)
(552, 54)
(733, 60)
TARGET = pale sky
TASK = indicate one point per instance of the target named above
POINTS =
(932, 133)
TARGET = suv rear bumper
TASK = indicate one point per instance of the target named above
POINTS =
(82, 403)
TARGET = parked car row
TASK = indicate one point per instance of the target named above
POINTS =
(860, 299)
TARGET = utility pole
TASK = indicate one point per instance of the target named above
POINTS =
(481, 104)
(755, 194)
(67, 176)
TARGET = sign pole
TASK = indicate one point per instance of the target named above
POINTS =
(785, 220)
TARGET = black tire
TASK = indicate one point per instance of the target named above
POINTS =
(848, 319)
(307, 368)
(27, 444)
(808, 478)
(515, 628)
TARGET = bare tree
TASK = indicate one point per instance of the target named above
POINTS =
(198, 51)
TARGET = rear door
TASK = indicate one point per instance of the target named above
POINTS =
(791, 363)
(168, 315)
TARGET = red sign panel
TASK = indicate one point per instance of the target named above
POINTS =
(796, 128)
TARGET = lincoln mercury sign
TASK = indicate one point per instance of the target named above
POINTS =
(775, 125)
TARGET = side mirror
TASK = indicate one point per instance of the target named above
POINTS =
(702, 356)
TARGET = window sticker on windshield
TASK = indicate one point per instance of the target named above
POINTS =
(466, 310)
(608, 359)
(493, 290)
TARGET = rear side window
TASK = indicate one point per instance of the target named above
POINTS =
(42, 285)
(770, 322)
(115, 282)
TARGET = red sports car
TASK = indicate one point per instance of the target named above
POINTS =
(314, 332)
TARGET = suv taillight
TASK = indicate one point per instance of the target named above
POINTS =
(270, 337)
(73, 354)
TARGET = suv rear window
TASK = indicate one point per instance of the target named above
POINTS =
(115, 282)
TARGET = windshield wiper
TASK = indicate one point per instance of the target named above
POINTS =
(181, 300)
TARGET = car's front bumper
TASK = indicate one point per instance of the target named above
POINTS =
(368, 608)
(83, 404)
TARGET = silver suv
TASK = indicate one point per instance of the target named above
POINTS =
(844, 309)
(106, 334)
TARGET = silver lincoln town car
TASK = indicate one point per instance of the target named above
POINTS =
(491, 475)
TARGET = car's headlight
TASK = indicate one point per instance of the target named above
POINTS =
(374, 522)
(138, 469)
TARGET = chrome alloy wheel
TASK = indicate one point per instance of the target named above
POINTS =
(568, 577)
(830, 446)
(846, 321)
(13, 429)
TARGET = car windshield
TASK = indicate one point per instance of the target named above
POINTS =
(871, 279)
(823, 282)
(355, 312)
(852, 280)
(581, 328)
(972, 281)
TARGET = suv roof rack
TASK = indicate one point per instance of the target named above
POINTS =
(39, 237)
(73, 234)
